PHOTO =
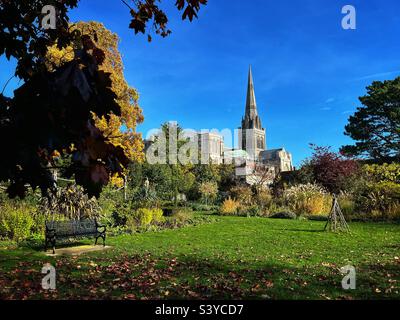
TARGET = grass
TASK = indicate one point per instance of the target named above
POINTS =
(239, 258)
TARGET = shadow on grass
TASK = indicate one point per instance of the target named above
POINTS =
(304, 230)
(396, 247)
(99, 277)
(141, 277)
(39, 245)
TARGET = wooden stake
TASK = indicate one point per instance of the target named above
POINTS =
(336, 221)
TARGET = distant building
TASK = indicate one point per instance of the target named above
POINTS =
(280, 159)
(211, 146)
(252, 156)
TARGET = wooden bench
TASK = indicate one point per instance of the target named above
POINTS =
(57, 230)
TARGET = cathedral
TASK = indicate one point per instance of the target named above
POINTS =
(252, 152)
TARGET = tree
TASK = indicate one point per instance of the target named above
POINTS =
(376, 126)
(23, 38)
(329, 169)
(172, 132)
(51, 114)
(263, 177)
(207, 173)
(172, 177)
(167, 180)
(227, 176)
(119, 130)
(148, 12)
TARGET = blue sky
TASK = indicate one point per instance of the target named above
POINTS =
(308, 71)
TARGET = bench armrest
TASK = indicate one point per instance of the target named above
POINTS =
(50, 230)
(101, 226)
(50, 233)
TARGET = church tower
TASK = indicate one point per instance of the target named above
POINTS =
(251, 134)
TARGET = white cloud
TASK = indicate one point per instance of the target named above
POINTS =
(347, 112)
(377, 75)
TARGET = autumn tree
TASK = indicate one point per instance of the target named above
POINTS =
(376, 125)
(119, 130)
(328, 168)
(23, 38)
(52, 114)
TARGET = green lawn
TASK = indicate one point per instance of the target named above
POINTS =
(235, 257)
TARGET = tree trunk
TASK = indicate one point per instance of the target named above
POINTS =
(125, 195)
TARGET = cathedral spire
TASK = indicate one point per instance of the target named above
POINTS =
(251, 119)
(252, 134)
(251, 105)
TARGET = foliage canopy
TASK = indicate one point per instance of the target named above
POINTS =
(64, 110)
(376, 125)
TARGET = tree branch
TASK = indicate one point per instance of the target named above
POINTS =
(5, 86)
(123, 1)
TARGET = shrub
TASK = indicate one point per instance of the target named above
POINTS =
(277, 207)
(264, 199)
(393, 211)
(182, 214)
(229, 207)
(377, 193)
(108, 206)
(347, 204)
(39, 223)
(317, 204)
(143, 216)
(308, 199)
(158, 215)
(380, 200)
(251, 211)
(72, 202)
(131, 224)
(16, 222)
(145, 198)
(121, 214)
(383, 173)
(203, 207)
(243, 194)
(170, 211)
(208, 191)
(184, 218)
